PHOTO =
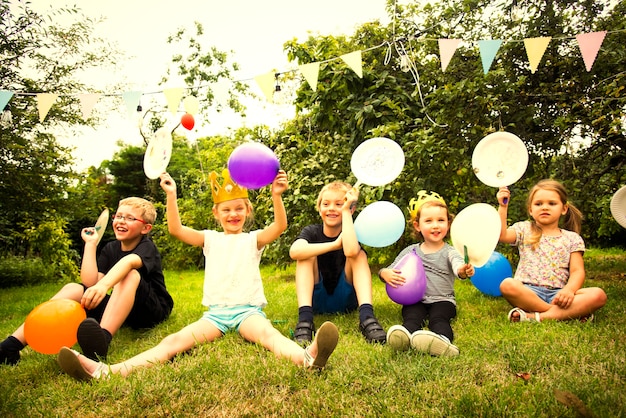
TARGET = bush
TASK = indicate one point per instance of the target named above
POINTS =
(19, 271)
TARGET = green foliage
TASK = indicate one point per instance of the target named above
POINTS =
(25, 271)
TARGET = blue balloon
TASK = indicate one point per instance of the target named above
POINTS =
(487, 278)
(380, 224)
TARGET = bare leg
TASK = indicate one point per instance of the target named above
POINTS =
(359, 274)
(306, 277)
(258, 329)
(121, 302)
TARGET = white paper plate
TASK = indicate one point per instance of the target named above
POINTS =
(158, 154)
(618, 206)
(101, 224)
(500, 159)
(377, 161)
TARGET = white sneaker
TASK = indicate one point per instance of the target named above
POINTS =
(399, 338)
(434, 344)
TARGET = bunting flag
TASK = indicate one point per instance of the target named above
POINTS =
(191, 104)
(447, 48)
(173, 97)
(221, 93)
(488, 50)
(310, 72)
(589, 44)
(87, 103)
(44, 103)
(353, 60)
(266, 83)
(5, 97)
(535, 48)
(131, 100)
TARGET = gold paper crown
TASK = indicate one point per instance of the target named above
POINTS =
(422, 197)
(229, 190)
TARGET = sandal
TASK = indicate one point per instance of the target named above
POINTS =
(303, 334)
(373, 331)
(69, 362)
(326, 338)
(523, 316)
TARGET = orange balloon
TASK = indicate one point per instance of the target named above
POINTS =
(187, 121)
(53, 325)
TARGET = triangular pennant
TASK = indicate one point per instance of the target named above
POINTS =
(353, 60)
(191, 104)
(87, 103)
(310, 72)
(131, 100)
(44, 103)
(173, 97)
(266, 83)
(535, 48)
(589, 44)
(447, 48)
(221, 93)
(488, 50)
(5, 97)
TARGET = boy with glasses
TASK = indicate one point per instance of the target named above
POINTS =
(130, 266)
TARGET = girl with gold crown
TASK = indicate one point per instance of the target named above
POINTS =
(233, 290)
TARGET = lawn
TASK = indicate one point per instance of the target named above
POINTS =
(504, 370)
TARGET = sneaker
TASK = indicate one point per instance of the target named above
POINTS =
(326, 338)
(373, 332)
(433, 344)
(92, 339)
(10, 358)
(399, 338)
(303, 334)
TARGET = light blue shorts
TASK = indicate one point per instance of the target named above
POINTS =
(545, 293)
(231, 318)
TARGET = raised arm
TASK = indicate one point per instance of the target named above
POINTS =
(174, 226)
(350, 243)
(278, 226)
(507, 236)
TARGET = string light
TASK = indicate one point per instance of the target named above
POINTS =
(277, 89)
(7, 117)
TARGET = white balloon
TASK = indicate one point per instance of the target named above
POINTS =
(477, 228)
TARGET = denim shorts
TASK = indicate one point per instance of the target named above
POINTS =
(342, 300)
(229, 318)
(545, 293)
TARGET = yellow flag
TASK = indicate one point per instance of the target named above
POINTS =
(173, 97)
(310, 72)
(266, 83)
(44, 103)
(353, 60)
(535, 48)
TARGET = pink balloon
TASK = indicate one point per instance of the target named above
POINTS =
(412, 291)
(253, 165)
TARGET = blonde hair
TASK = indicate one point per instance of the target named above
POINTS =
(415, 216)
(148, 212)
(572, 218)
(335, 186)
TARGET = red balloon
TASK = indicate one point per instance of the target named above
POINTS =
(53, 324)
(187, 121)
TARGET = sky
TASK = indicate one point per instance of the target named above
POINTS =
(254, 30)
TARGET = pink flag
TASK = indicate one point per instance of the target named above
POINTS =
(447, 48)
(589, 44)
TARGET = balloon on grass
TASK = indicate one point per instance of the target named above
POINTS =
(380, 224)
(53, 325)
(413, 289)
(253, 165)
(487, 278)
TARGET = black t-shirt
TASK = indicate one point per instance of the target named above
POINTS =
(330, 264)
(151, 271)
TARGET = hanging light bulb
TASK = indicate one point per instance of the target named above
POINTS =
(7, 117)
(405, 63)
(277, 89)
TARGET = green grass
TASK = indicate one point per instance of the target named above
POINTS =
(233, 378)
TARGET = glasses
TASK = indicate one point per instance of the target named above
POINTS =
(127, 218)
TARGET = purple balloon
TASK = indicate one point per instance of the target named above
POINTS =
(253, 165)
(412, 291)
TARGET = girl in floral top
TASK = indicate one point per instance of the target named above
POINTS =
(548, 282)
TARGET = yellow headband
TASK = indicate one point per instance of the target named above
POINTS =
(229, 190)
(422, 197)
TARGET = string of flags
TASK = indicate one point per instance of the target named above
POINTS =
(589, 45)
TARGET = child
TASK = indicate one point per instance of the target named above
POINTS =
(233, 290)
(549, 277)
(442, 264)
(130, 266)
(332, 273)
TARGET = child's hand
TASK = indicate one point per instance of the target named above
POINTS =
(93, 296)
(466, 270)
(167, 183)
(563, 298)
(392, 277)
(352, 196)
(280, 183)
(89, 234)
(503, 196)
